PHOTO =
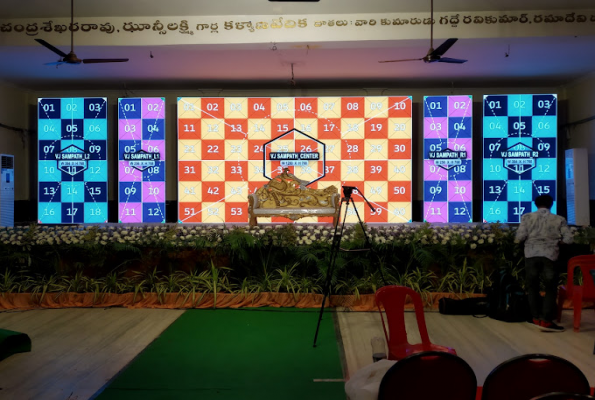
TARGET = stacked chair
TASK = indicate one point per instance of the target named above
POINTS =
(428, 376)
(532, 375)
(578, 293)
(563, 396)
(392, 299)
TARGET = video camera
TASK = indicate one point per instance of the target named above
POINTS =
(347, 190)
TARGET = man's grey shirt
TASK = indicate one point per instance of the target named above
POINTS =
(542, 231)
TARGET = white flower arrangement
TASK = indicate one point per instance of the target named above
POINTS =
(305, 234)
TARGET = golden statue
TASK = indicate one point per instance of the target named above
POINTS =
(286, 191)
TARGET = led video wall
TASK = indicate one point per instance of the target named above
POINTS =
(229, 147)
(141, 160)
(519, 154)
(448, 134)
(72, 168)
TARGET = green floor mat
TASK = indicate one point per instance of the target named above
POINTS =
(236, 354)
(13, 342)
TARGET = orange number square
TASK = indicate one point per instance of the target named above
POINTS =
(332, 170)
(399, 191)
(213, 107)
(236, 128)
(281, 125)
(213, 149)
(329, 128)
(254, 186)
(255, 149)
(189, 212)
(188, 128)
(236, 171)
(380, 215)
(399, 149)
(352, 149)
(353, 107)
(306, 107)
(376, 170)
(213, 191)
(189, 171)
(399, 107)
(275, 168)
(376, 128)
(236, 212)
(259, 107)
(308, 146)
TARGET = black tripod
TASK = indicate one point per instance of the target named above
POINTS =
(336, 246)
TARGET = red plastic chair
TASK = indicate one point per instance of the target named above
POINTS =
(429, 376)
(564, 396)
(392, 298)
(532, 375)
(577, 293)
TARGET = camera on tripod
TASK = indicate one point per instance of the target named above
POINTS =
(336, 245)
(347, 190)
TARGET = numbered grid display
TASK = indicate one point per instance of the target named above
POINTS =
(448, 185)
(141, 160)
(72, 167)
(519, 154)
(225, 148)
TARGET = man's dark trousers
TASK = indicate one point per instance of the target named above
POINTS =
(546, 268)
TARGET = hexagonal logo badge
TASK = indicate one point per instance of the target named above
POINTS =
(519, 158)
(447, 158)
(141, 159)
(303, 155)
(72, 160)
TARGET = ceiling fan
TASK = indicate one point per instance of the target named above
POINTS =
(71, 58)
(434, 55)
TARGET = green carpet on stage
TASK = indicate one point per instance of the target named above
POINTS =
(13, 342)
(249, 354)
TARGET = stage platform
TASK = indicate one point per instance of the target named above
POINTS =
(76, 352)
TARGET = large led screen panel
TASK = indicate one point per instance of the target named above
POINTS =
(141, 160)
(519, 154)
(229, 147)
(448, 135)
(72, 167)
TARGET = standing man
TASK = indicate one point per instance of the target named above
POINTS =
(543, 232)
